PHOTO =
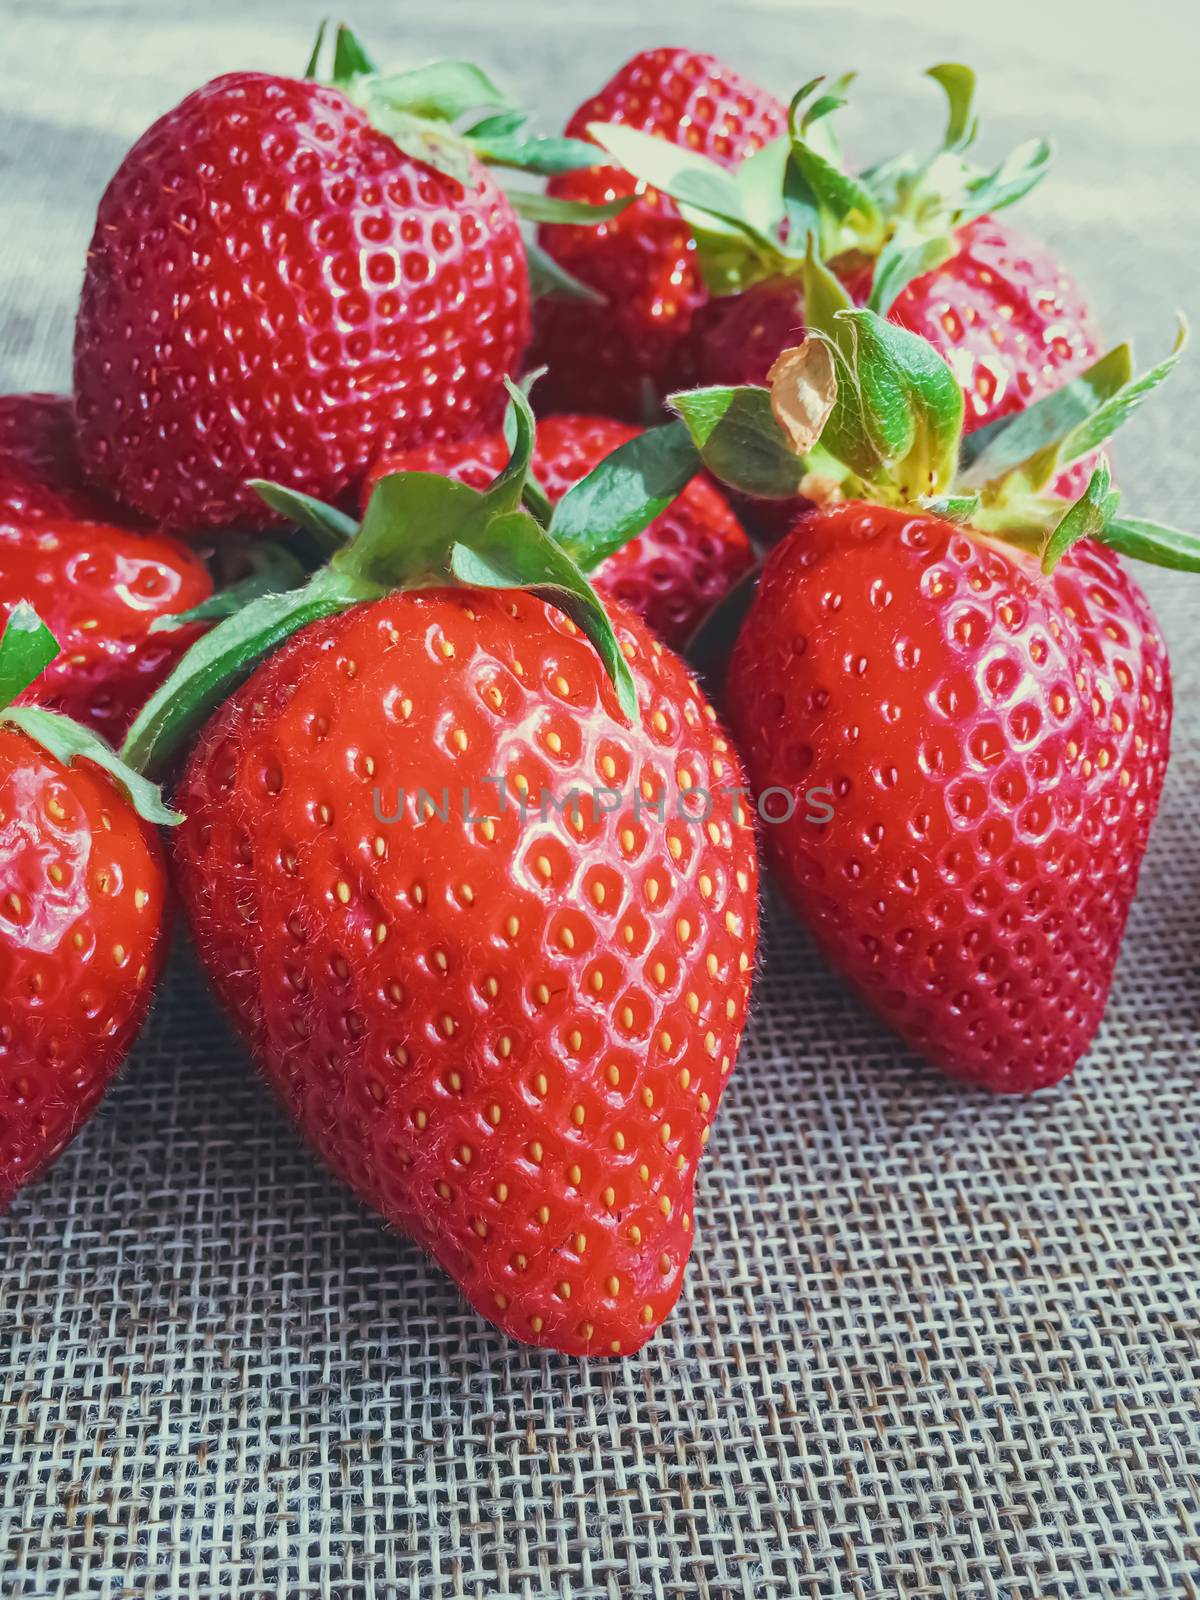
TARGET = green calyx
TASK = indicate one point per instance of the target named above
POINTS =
(755, 223)
(27, 647)
(864, 410)
(450, 114)
(421, 531)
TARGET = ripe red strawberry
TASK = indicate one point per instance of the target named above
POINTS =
(671, 575)
(1002, 310)
(274, 286)
(996, 742)
(911, 239)
(964, 666)
(607, 357)
(509, 1038)
(82, 912)
(1005, 313)
(99, 586)
(40, 472)
(478, 891)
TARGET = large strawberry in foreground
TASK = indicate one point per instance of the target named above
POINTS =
(618, 350)
(466, 867)
(671, 575)
(965, 665)
(279, 279)
(82, 911)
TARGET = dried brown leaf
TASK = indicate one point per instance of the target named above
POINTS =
(803, 385)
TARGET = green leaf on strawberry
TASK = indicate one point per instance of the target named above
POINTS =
(1067, 424)
(549, 280)
(272, 570)
(536, 207)
(912, 405)
(330, 527)
(503, 142)
(1011, 181)
(418, 109)
(753, 224)
(760, 179)
(27, 647)
(1087, 435)
(958, 508)
(1154, 543)
(442, 90)
(999, 448)
(313, 68)
(423, 530)
(689, 178)
(893, 434)
(837, 193)
(958, 83)
(350, 57)
(1087, 518)
(738, 439)
(733, 250)
(624, 494)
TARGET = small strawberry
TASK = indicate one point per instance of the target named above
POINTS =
(643, 265)
(964, 666)
(82, 913)
(913, 238)
(441, 863)
(285, 273)
(40, 471)
(671, 575)
(100, 586)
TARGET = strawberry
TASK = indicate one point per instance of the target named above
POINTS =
(504, 1018)
(912, 238)
(102, 589)
(100, 586)
(1002, 310)
(40, 471)
(996, 746)
(961, 662)
(284, 273)
(671, 575)
(1005, 313)
(607, 356)
(82, 913)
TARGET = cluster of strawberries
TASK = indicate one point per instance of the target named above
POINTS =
(463, 846)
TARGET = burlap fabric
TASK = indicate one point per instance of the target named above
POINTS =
(931, 1344)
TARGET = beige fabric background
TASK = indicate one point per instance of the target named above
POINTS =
(931, 1344)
